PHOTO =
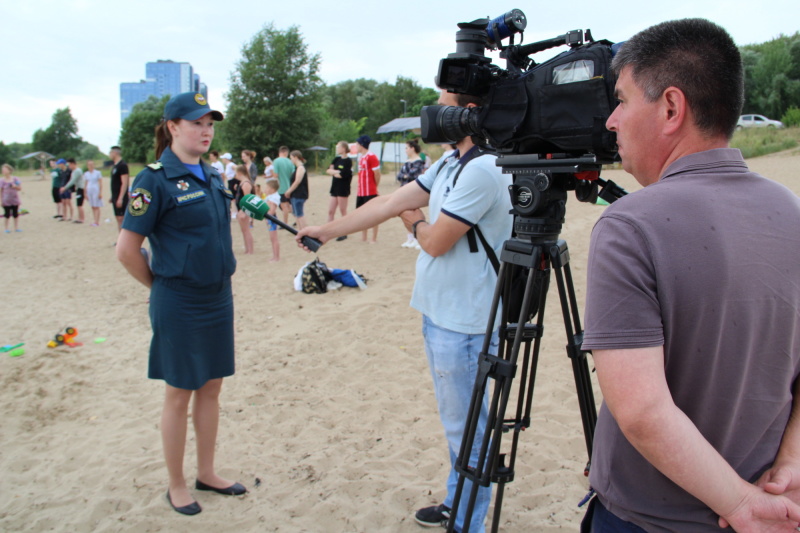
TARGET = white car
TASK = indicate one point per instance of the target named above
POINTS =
(757, 121)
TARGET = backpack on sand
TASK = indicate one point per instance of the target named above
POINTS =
(315, 277)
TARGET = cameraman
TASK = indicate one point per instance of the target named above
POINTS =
(692, 305)
(453, 287)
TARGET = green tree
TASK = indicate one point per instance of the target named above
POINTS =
(17, 150)
(5, 154)
(772, 76)
(137, 138)
(274, 97)
(334, 130)
(88, 151)
(61, 136)
(377, 103)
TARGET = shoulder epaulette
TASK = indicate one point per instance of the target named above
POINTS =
(156, 166)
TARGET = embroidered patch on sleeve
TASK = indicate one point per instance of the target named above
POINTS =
(140, 201)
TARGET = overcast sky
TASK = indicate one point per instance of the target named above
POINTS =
(75, 53)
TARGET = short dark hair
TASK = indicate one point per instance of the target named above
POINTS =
(117, 148)
(283, 149)
(696, 56)
(70, 160)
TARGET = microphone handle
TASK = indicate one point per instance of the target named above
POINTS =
(308, 242)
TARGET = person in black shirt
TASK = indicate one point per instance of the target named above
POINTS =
(341, 172)
(119, 185)
(66, 194)
(297, 193)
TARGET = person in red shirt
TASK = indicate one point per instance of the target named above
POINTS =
(369, 176)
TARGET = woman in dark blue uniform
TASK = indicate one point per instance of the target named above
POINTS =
(182, 206)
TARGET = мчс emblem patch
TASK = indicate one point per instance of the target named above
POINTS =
(140, 201)
(183, 185)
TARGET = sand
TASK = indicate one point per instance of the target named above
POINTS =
(331, 408)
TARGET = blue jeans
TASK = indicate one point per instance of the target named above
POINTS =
(453, 359)
(297, 206)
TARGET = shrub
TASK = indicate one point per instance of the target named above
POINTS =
(791, 117)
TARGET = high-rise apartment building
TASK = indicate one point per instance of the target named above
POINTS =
(163, 77)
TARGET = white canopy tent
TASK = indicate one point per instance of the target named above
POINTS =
(43, 157)
(399, 125)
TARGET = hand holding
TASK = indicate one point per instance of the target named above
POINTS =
(411, 216)
(783, 478)
(762, 512)
(313, 232)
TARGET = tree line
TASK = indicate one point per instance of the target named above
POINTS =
(276, 97)
(772, 78)
(60, 138)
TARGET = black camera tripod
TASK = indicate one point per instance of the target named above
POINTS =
(539, 197)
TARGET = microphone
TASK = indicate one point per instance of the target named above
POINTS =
(257, 208)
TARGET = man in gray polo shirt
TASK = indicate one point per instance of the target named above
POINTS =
(693, 305)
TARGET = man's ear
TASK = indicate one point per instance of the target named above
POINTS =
(675, 109)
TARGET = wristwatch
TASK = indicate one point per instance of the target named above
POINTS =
(414, 226)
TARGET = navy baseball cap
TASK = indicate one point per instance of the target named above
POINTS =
(189, 106)
(364, 141)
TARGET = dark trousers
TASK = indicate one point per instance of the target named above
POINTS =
(598, 519)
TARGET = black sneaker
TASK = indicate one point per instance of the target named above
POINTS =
(436, 516)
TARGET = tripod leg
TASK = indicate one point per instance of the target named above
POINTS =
(488, 467)
(580, 367)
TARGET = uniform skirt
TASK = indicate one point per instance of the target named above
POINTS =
(192, 333)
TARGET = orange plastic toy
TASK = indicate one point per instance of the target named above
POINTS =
(68, 338)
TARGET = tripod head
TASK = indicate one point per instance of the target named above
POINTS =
(540, 186)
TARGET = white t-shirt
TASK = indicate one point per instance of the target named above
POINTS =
(230, 170)
(275, 198)
(216, 165)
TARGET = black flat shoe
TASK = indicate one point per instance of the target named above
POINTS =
(237, 489)
(191, 509)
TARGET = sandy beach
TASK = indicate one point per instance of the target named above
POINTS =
(330, 420)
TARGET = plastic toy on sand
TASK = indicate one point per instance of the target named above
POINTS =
(13, 350)
(10, 347)
(68, 338)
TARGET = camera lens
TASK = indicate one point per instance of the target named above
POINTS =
(448, 124)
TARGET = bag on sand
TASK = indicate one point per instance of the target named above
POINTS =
(314, 277)
(349, 278)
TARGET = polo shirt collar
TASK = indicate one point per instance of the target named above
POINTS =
(714, 159)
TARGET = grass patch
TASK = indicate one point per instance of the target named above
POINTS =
(754, 142)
